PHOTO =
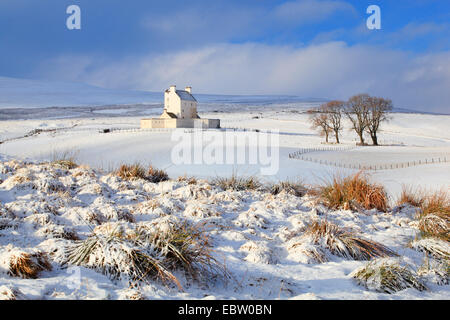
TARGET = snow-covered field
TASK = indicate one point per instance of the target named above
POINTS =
(421, 138)
(257, 235)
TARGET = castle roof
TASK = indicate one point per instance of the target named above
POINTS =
(184, 95)
(172, 115)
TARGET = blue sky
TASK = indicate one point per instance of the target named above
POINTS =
(312, 48)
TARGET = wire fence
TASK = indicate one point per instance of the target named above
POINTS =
(301, 155)
(297, 154)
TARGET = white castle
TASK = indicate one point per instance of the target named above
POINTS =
(180, 111)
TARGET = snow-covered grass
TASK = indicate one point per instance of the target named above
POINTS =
(294, 188)
(343, 243)
(24, 264)
(148, 252)
(130, 172)
(436, 248)
(435, 271)
(108, 237)
(137, 171)
(237, 183)
(64, 158)
(387, 275)
(434, 214)
(7, 293)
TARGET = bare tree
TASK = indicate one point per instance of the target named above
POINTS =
(334, 109)
(357, 111)
(378, 112)
(320, 121)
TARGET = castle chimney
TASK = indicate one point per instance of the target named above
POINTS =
(188, 89)
(173, 88)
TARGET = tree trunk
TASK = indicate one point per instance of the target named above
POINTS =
(326, 137)
(337, 136)
(361, 137)
(374, 139)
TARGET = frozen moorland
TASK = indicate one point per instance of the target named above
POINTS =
(82, 231)
(81, 234)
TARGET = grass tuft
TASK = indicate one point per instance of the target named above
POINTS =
(434, 214)
(65, 159)
(237, 183)
(434, 225)
(411, 196)
(436, 248)
(27, 265)
(156, 175)
(437, 203)
(387, 276)
(10, 294)
(344, 243)
(184, 246)
(187, 179)
(435, 271)
(293, 188)
(434, 217)
(353, 192)
(131, 172)
(148, 254)
(137, 171)
(119, 258)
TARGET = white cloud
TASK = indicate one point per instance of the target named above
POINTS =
(230, 22)
(414, 30)
(205, 24)
(332, 70)
(306, 11)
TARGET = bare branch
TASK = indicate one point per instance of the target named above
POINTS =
(357, 111)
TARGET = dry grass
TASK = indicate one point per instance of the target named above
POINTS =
(185, 246)
(344, 243)
(137, 171)
(156, 175)
(434, 217)
(65, 159)
(387, 276)
(294, 188)
(435, 225)
(149, 254)
(119, 258)
(437, 203)
(7, 293)
(188, 180)
(28, 266)
(131, 172)
(353, 192)
(237, 183)
(411, 196)
(434, 214)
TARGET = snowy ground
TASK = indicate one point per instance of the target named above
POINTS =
(44, 207)
(407, 138)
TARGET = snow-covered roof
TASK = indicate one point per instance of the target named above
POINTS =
(184, 95)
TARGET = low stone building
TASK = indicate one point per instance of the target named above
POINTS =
(180, 111)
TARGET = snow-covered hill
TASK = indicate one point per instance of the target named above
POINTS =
(24, 93)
